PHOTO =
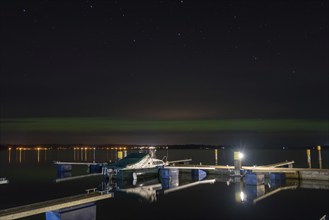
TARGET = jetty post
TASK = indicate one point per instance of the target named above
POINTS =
(216, 156)
(237, 163)
(320, 158)
(308, 153)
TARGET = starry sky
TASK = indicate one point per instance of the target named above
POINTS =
(251, 73)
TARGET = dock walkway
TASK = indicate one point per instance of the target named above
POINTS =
(289, 172)
(51, 205)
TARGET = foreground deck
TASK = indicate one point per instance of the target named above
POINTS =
(50, 205)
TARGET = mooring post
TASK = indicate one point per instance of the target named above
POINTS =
(237, 162)
(308, 153)
(320, 159)
(216, 156)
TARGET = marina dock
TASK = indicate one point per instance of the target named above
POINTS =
(288, 172)
(55, 204)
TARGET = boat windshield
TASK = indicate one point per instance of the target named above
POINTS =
(130, 159)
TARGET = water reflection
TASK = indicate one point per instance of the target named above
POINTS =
(19, 154)
(151, 190)
(9, 154)
(85, 153)
(251, 194)
(154, 190)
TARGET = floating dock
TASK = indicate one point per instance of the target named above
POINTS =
(285, 168)
(51, 205)
(288, 172)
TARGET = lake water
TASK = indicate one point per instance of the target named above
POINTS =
(32, 178)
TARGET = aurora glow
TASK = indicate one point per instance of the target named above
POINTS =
(90, 125)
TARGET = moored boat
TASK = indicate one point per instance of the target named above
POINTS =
(134, 165)
(4, 180)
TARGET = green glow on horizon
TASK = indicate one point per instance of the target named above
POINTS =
(93, 125)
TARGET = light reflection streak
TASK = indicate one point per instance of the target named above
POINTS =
(94, 154)
(20, 155)
(86, 153)
(38, 149)
(9, 155)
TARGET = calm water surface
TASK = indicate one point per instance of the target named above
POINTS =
(32, 178)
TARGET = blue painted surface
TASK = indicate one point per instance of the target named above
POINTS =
(97, 168)
(64, 167)
(64, 170)
(53, 215)
(80, 212)
(277, 176)
(169, 178)
(254, 179)
(198, 174)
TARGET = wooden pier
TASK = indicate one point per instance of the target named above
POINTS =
(76, 163)
(51, 205)
(289, 172)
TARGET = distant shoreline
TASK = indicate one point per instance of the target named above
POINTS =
(136, 147)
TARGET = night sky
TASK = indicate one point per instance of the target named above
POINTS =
(248, 73)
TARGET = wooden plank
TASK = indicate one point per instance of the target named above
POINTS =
(179, 161)
(74, 163)
(50, 205)
(190, 167)
(280, 164)
(273, 192)
(76, 177)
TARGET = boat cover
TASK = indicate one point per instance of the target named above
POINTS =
(130, 159)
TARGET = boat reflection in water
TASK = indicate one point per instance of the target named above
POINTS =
(143, 189)
(150, 190)
(251, 194)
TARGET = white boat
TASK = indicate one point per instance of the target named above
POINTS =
(3, 180)
(133, 165)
